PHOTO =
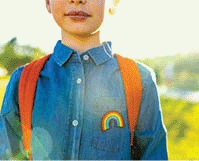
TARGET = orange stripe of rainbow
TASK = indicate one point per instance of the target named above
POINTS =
(112, 115)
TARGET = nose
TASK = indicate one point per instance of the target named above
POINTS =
(78, 1)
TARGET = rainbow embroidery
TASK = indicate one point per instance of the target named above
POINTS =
(112, 116)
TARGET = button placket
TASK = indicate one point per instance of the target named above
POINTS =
(77, 116)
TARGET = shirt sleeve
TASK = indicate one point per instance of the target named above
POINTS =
(150, 134)
(11, 146)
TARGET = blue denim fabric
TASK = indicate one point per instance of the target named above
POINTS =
(68, 112)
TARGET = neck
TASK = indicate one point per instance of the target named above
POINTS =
(81, 43)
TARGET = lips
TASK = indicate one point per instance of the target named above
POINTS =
(78, 13)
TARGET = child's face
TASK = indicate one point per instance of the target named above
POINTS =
(64, 12)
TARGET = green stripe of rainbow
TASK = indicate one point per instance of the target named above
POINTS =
(112, 115)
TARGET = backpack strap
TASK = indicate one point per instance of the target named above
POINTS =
(27, 88)
(133, 90)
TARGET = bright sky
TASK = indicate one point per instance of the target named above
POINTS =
(140, 28)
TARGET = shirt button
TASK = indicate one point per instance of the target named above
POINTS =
(79, 81)
(75, 122)
(85, 57)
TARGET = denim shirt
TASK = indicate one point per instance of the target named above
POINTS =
(73, 95)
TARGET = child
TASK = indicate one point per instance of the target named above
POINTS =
(79, 84)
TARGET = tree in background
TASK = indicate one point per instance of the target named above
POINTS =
(14, 55)
(9, 56)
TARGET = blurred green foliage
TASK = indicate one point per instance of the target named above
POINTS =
(3, 84)
(13, 55)
(180, 118)
(176, 71)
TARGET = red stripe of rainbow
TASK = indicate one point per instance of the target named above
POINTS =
(112, 115)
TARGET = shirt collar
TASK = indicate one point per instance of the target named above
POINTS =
(102, 53)
(99, 54)
(61, 53)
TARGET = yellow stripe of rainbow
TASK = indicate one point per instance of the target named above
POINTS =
(112, 115)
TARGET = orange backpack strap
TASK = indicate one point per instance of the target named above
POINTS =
(28, 82)
(133, 90)
(27, 88)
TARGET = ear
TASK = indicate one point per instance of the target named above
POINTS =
(48, 5)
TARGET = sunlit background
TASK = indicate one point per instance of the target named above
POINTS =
(139, 28)
(161, 34)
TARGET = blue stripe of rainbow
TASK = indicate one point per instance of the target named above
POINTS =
(112, 115)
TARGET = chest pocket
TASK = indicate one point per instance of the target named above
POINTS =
(109, 125)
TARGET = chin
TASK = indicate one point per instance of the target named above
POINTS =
(82, 33)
